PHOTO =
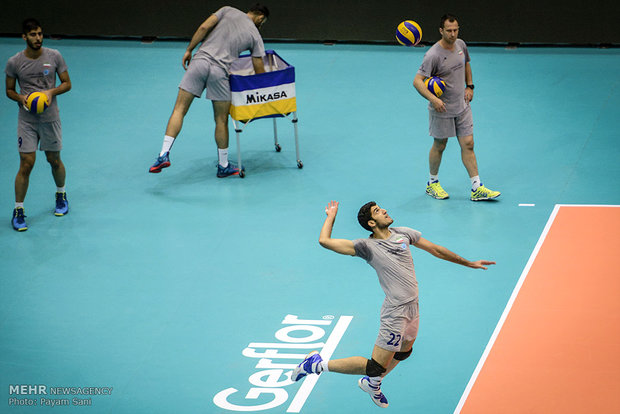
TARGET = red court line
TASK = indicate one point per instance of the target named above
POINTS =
(558, 349)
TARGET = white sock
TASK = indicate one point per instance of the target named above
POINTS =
(475, 182)
(60, 189)
(168, 141)
(222, 155)
(375, 381)
(324, 365)
(19, 205)
(433, 179)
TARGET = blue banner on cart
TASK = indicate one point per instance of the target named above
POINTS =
(263, 80)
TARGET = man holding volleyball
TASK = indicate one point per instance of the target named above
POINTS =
(387, 251)
(451, 115)
(35, 69)
(224, 35)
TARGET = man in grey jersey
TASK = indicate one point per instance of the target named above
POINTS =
(387, 251)
(450, 115)
(35, 69)
(224, 35)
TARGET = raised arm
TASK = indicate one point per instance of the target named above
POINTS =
(445, 254)
(200, 34)
(341, 246)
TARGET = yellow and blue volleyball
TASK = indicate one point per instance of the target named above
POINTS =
(408, 33)
(36, 103)
(436, 85)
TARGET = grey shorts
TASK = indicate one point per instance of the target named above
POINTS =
(458, 126)
(45, 135)
(398, 324)
(202, 74)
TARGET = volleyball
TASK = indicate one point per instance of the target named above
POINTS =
(36, 102)
(408, 33)
(436, 85)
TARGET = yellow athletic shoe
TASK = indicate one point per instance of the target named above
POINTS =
(434, 190)
(483, 193)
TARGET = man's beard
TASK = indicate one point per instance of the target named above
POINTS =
(33, 46)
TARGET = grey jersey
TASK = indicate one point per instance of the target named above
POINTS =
(393, 263)
(449, 65)
(37, 75)
(233, 34)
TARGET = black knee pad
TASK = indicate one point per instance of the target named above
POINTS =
(374, 369)
(401, 356)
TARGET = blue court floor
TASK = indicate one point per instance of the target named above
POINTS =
(163, 293)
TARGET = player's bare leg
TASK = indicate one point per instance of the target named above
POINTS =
(221, 109)
(433, 188)
(468, 156)
(175, 123)
(181, 106)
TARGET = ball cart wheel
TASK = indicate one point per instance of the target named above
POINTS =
(278, 148)
(300, 164)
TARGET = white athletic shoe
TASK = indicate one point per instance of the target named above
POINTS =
(375, 392)
(310, 365)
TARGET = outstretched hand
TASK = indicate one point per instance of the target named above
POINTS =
(481, 264)
(332, 209)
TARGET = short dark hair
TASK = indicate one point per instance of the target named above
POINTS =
(260, 9)
(29, 25)
(365, 214)
(449, 17)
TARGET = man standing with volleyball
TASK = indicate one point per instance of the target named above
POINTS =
(451, 115)
(387, 251)
(35, 68)
(224, 35)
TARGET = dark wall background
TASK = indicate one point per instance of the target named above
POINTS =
(484, 21)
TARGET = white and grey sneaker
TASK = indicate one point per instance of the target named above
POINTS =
(310, 365)
(375, 392)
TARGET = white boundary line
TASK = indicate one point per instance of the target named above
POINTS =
(588, 205)
(502, 319)
(327, 352)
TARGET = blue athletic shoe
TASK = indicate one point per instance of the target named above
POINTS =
(19, 220)
(375, 392)
(163, 161)
(231, 169)
(310, 365)
(62, 204)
